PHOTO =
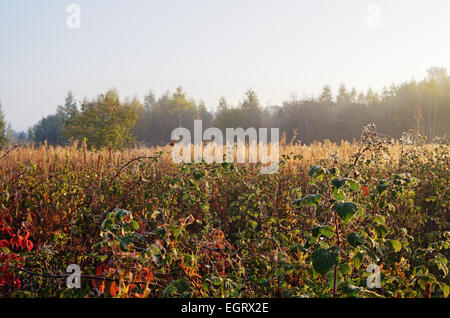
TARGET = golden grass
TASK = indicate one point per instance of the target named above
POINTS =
(47, 157)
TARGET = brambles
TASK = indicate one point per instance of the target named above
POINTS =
(140, 226)
(13, 247)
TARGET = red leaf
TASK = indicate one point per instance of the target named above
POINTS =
(365, 190)
(29, 245)
(149, 275)
(113, 289)
(7, 230)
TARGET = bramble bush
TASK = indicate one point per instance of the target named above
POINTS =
(145, 227)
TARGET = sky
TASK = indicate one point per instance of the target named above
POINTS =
(211, 48)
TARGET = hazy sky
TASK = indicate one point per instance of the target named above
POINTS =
(212, 48)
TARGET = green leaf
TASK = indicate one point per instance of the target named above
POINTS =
(345, 210)
(396, 245)
(330, 278)
(355, 239)
(357, 260)
(310, 200)
(381, 230)
(311, 240)
(121, 214)
(379, 219)
(441, 259)
(125, 242)
(4, 250)
(218, 281)
(182, 285)
(324, 260)
(297, 248)
(382, 186)
(345, 268)
(326, 231)
(441, 262)
(338, 194)
(253, 224)
(338, 182)
(424, 279)
(134, 224)
(445, 289)
(176, 231)
(316, 173)
(334, 171)
(169, 290)
(102, 258)
(354, 185)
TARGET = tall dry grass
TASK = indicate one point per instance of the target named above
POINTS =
(46, 157)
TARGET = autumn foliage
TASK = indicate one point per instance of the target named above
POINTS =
(149, 228)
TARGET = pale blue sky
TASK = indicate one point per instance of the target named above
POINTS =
(212, 48)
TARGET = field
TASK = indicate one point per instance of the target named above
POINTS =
(138, 225)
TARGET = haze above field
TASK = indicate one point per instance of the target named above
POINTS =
(212, 49)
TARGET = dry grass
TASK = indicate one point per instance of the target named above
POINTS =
(46, 157)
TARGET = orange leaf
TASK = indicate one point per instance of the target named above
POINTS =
(365, 190)
(101, 288)
(113, 289)
(29, 245)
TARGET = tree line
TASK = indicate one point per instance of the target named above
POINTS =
(108, 121)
